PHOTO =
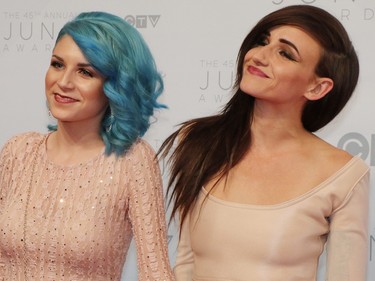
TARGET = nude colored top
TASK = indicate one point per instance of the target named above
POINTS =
(222, 240)
(81, 218)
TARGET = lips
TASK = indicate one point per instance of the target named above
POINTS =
(256, 71)
(64, 99)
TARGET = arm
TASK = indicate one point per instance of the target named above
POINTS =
(147, 215)
(6, 166)
(348, 239)
(185, 259)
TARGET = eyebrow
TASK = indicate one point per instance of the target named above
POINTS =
(284, 41)
(79, 64)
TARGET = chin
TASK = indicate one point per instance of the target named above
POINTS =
(246, 89)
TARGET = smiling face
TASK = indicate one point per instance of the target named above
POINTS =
(281, 68)
(74, 89)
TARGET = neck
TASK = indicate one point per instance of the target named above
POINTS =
(75, 134)
(72, 144)
(276, 128)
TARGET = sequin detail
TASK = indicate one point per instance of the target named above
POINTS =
(81, 218)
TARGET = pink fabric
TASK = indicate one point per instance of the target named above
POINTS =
(81, 218)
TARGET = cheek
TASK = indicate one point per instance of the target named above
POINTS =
(293, 82)
(102, 98)
(288, 74)
(48, 80)
(101, 103)
(248, 55)
(94, 93)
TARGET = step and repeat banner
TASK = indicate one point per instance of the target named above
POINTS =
(195, 44)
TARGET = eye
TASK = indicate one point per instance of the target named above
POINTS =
(56, 64)
(287, 55)
(85, 72)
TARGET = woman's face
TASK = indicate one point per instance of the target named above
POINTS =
(74, 89)
(281, 68)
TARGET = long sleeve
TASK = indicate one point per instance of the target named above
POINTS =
(147, 215)
(348, 239)
(5, 174)
(5, 167)
(185, 259)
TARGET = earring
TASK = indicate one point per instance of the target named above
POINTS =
(109, 128)
(111, 119)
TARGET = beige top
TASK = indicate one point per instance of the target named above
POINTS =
(230, 241)
(80, 219)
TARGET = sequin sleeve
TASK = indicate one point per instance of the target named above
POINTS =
(6, 160)
(147, 215)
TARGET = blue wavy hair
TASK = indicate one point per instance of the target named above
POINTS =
(132, 82)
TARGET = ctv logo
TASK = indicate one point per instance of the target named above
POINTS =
(142, 21)
(357, 144)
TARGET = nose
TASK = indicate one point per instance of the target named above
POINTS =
(65, 80)
(261, 55)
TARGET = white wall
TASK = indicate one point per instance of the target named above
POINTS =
(195, 44)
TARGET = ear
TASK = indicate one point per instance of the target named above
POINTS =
(319, 88)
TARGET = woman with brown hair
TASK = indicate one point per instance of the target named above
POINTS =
(257, 192)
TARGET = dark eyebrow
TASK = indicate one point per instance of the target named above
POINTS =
(57, 57)
(80, 64)
(289, 43)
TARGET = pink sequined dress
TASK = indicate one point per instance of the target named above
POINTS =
(80, 219)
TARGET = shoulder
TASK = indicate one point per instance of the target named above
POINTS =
(334, 163)
(24, 141)
(139, 155)
(353, 178)
(350, 175)
(142, 165)
(355, 168)
(329, 158)
(340, 159)
(344, 175)
(141, 149)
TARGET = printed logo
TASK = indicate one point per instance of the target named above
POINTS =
(32, 31)
(36, 31)
(217, 79)
(357, 144)
(351, 9)
(143, 21)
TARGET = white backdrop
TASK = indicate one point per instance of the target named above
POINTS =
(195, 44)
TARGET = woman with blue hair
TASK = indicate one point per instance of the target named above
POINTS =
(72, 199)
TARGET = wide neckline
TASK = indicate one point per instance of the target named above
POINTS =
(288, 202)
(44, 153)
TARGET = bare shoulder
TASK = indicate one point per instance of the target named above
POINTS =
(331, 157)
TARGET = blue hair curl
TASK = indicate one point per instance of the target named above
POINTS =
(132, 83)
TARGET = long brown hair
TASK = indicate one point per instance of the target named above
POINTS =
(211, 146)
